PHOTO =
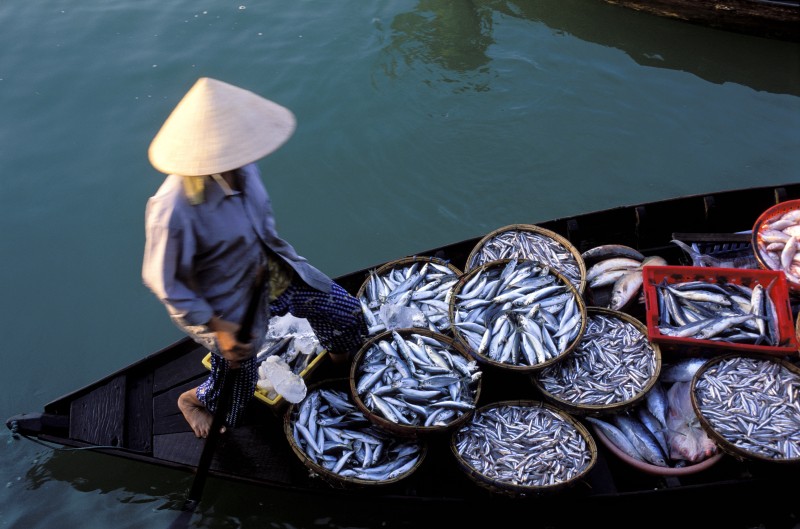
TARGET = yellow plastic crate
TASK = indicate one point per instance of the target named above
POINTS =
(278, 401)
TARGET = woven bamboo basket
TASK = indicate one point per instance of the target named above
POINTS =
(759, 246)
(505, 488)
(578, 408)
(727, 445)
(578, 279)
(403, 263)
(409, 430)
(335, 479)
(486, 360)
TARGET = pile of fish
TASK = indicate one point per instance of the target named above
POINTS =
(414, 294)
(521, 243)
(754, 404)
(619, 267)
(416, 380)
(613, 364)
(723, 311)
(777, 242)
(663, 430)
(333, 433)
(518, 313)
(522, 445)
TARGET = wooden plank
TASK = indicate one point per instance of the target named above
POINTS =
(167, 417)
(186, 365)
(139, 416)
(257, 451)
(182, 448)
(98, 417)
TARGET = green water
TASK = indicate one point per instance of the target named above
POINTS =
(420, 123)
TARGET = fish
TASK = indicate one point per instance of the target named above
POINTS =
(404, 376)
(625, 289)
(538, 446)
(681, 370)
(613, 363)
(687, 439)
(416, 289)
(529, 313)
(644, 441)
(657, 403)
(529, 244)
(616, 436)
(346, 443)
(753, 404)
(614, 263)
(721, 311)
(608, 251)
(654, 427)
(777, 244)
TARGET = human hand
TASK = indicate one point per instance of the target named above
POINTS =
(230, 347)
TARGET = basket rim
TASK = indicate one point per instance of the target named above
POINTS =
(721, 441)
(588, 409)
(412, 431)
(385, 267)
(506, 487)
(483, 359)
(536, 229)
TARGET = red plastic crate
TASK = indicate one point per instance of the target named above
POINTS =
(779, 294)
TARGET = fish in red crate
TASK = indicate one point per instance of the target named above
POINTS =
(695, 308)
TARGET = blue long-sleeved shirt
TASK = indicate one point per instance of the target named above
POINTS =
(200, 260)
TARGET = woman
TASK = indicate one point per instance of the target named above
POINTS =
(210, 230)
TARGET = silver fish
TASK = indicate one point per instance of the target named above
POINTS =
(529, 315)
(612, 364)
(529, 244)
(417, 374)
(420, 287)
(354, 449)
(537, 447)
(754, 404)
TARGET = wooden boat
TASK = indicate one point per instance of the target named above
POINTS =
(132, 413)
(777, 19)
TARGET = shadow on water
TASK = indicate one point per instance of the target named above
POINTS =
(224, 504)
(435, 31)
(229, 504)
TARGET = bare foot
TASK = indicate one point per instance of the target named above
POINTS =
(195, 413)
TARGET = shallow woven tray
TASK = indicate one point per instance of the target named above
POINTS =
(723, 442)
(404, 430)
(485, 360)
(331, 478)
(597, 409)
(502, 488)
(473, 256)
(404, 263)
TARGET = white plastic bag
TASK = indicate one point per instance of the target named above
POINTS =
(276, 373)
(402, 317)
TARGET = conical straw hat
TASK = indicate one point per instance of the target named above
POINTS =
(219, 127)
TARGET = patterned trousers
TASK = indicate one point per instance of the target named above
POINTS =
(336, 319)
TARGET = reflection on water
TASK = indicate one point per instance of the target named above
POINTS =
(454, 36)
(457, 36)
(422, 122)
